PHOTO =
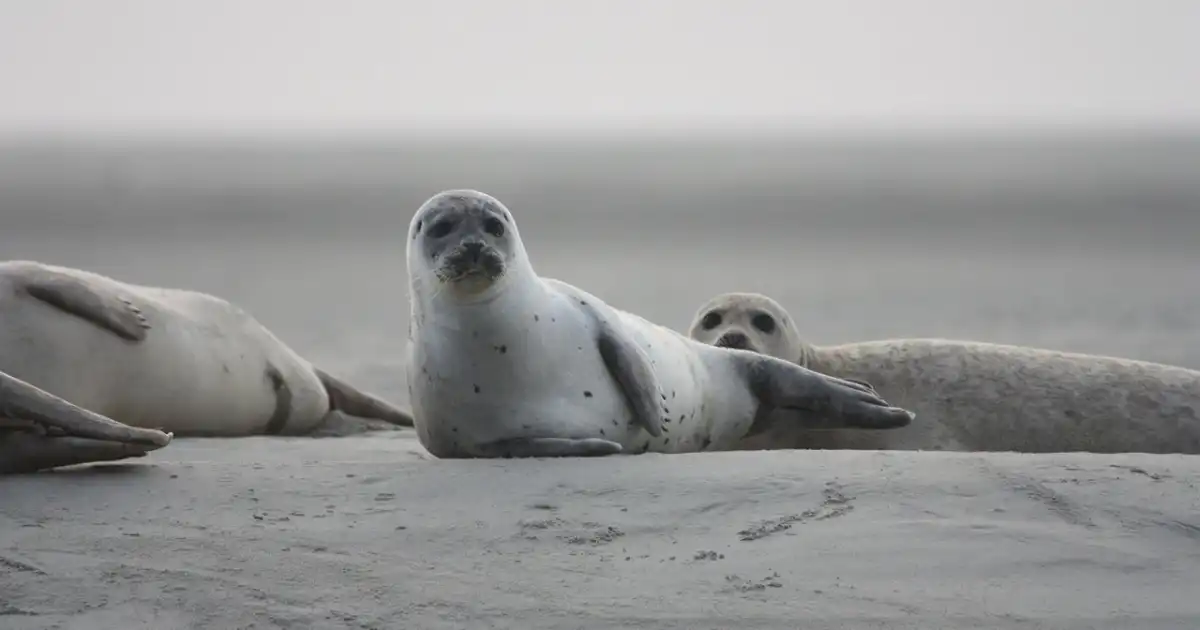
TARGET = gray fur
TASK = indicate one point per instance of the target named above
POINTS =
(778, 387)
(97, 303)
(973, 396)
(631, 368)
(39, 431)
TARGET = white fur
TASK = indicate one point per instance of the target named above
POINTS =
(199, 371)
(536, 388)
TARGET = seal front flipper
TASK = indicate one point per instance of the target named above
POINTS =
(348, 399)
(550, 447)
(39, 430)
(824, 402)
(95, 301)
(631, 368)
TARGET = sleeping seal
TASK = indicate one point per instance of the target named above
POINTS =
(182, 361)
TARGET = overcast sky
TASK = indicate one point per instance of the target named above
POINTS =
(210, 65)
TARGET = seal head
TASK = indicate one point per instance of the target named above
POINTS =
(466, 241)
(749, 321)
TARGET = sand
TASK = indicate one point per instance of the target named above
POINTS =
(370, 532)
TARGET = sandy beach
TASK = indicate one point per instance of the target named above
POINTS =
(364, 532)
(1085, 246)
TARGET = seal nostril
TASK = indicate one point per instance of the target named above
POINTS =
(734, 340)
(473, 250)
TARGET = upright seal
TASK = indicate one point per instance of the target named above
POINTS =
(973, 396)
(503, 362)
(182, 361)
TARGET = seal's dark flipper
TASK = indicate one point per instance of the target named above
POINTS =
(22, 401)
(822, 401)
(348, 399)
(39, 430)
(630, 366)
(96, 302)
(550, 447)
(22, 452)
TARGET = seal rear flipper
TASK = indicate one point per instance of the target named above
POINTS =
(631, 368)
(821, 401)
(348, 399)
(96, 302)
(550, 447)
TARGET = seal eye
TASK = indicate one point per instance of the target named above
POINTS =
(764, 322)
(711, 320)
(440, 229)
(494, 227)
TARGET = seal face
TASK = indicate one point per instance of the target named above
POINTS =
(466, 241)
(747, 321)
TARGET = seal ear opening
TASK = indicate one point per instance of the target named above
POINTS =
(348, 399)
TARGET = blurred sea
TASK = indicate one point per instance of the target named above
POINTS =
(1081, 243)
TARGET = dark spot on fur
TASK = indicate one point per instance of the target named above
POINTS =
(664, 396)
(454, 429)
(665, 410)
(476, 389)
(283, 401)
(672, 393)
(536, 318)
(579, 348)
(587, 394)
(666, 441)
(419, 224)
(666, 429)
(582, 303)
(500, 349)
(646, 446)
(526, 427)
(602, 432)
(615, 424)
(553, 319)
(667, 420)
(707, 442)
(681, 417)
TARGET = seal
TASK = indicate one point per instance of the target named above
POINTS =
(181, 361)
(505, 363)
(39, 431)
(973, 396)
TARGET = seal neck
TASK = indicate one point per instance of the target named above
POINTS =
(811, 359)
(498, 307)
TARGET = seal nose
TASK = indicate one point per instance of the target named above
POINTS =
(734, 339)
(473, 249)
